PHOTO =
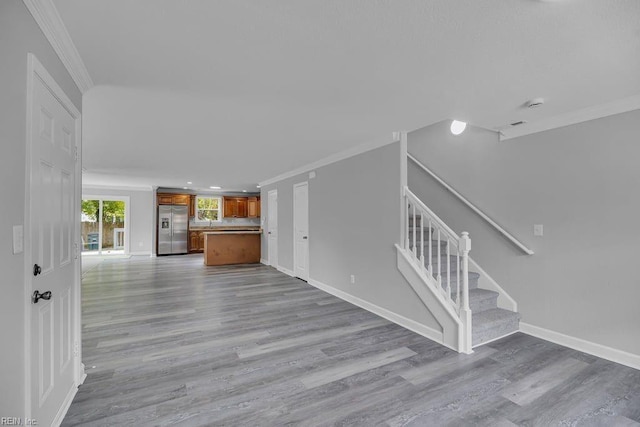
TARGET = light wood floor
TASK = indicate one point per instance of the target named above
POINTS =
(170, 341)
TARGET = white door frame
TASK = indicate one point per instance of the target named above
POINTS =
(35, 70)
(273, 258)
(295, 214)
(127, 209)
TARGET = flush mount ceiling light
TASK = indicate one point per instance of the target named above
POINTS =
(215, 187)
(535, 102)
(257, 186)
(457, 127)
(244, 191)
(189, 182)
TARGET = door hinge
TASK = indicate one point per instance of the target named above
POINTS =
(76, 349)
(76, 251)
(75, 153)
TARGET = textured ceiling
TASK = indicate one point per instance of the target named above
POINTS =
(234, 92)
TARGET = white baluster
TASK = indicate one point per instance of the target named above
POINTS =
(422, 240)
(448, 271)
(439, 264)
(458, 280)
(406, 234)
(465, 311)
(430, 251)
(415, 252)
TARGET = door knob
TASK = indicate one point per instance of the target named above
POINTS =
(36, 269)
(37, 296)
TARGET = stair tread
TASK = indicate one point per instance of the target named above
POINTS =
(478, 293)
(443, 273)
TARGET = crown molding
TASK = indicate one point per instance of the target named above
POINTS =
(116, 187)
(571, 118)
(359, 149)
(48, 19)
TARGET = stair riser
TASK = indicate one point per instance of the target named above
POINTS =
(478, 305)
(498, 330)
(482, 304)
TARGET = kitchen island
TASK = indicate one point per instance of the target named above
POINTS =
(231, 247)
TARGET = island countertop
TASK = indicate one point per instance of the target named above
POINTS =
(234, 232)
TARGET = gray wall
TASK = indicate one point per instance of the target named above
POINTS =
(19, 34)
(141, 216)
(581, 182)
(354, 222)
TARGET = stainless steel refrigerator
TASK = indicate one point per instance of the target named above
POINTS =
(172, 229)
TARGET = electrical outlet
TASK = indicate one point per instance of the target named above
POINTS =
(353, 279)
(538, 230)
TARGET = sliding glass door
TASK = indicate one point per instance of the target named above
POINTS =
(103, 226)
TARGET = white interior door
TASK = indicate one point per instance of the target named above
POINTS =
(301, 230)
(272, 227)
(52, 255)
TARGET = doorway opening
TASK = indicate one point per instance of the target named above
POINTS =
(104, 225)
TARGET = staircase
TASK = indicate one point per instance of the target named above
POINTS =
(435, 260)
(488, 321)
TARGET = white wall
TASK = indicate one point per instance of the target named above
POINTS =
(19, 34)
(354, 222)
(581, 183)
(141, 216)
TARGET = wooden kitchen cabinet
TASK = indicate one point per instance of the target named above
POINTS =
(193, 241)
(173, 199)
(253, 207)
(165, 199)
(192, 206)
(181, 199)
(235, 207)
(196, 241)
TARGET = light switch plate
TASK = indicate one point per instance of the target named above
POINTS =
(18, 239)
(538, 230)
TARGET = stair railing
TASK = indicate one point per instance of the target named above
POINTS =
(464, 200)
(444, 262)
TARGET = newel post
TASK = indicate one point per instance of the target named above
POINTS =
(401, 137)
(465, 312)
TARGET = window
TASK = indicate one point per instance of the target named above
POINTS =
(208, 208)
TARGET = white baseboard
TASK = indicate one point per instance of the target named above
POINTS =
(83, 374)
(612, 354)
(398, 319)
(264, 261)
(140, 253)
(65, 406)
(285, 271)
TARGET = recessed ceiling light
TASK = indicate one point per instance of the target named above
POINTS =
(257, 186)
(189, 182)
(185, 188)
(457, 127)
(244, 191)
(215, 187)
